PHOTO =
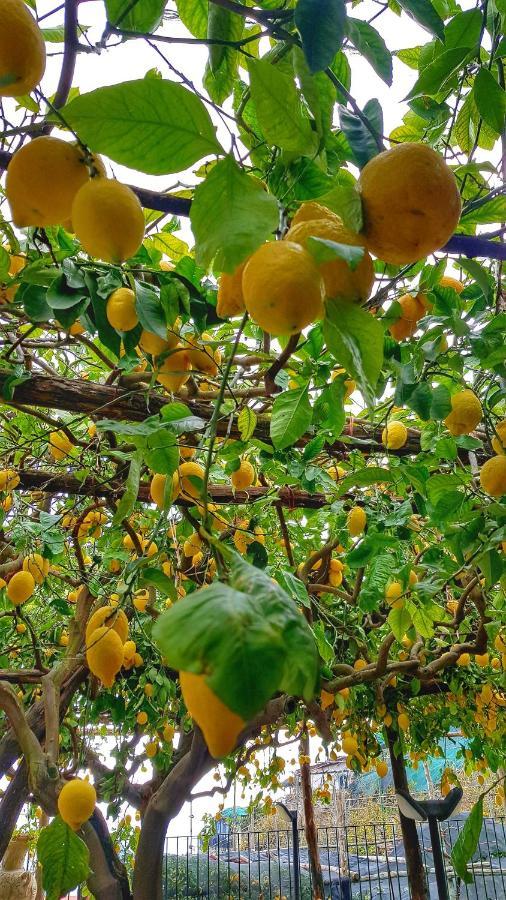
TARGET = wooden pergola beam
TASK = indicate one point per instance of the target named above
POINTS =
(119, 403)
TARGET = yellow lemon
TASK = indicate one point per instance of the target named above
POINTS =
(466, 413)
(220, 725)
(108, 220)
(493, 476)
(411, 203)
(22, 50)
(394, 435)
(283, 289)
(120, 310)
(42, 181)
(76, 802)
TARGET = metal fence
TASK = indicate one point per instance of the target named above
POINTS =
(359, 862)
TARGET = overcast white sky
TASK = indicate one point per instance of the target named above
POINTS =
(131, 60)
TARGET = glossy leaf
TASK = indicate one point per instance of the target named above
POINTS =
(490, 99)
(465, 846)
(144, 16)
(152, 125)
(355, 338)
(425, 14)
(242, 213)
(64, 858)
(322, 27)
(370, 44)
(291, 417)
(278, 107)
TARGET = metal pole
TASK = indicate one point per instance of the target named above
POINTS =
(437, 855)
(296, 856)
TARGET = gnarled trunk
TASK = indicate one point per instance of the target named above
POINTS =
(11, 805)
(163, 806)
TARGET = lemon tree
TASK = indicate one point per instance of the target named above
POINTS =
(252, 454)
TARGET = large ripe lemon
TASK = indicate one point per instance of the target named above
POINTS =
(493, 476)
(282, 287)
(22, 50)
(174, 371)
(104, 654)
(108, 220)
(42, 181)
(466, 413)
(22, 585)
(411, 203)
(220, 725)
(155, 345)
(76, 802)
(120, 310)
(340, 280)
(111, 617)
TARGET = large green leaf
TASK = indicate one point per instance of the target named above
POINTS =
(279, 110)
(399, 621)
(436, 74)
(231, 216)
(465, 846)
(490, 99)
(364, 137)
(322, 27)
(151, 125)
(423, 12)
(355, 339)
(64, 859)
(145, 15)
(370, 44)
(247, 635)
(127, 502)
(193, 14)
(221, 70)
(291, 417)
(464, 29)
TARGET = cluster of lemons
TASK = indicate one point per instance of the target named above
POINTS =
(411, 206)
(108, 648)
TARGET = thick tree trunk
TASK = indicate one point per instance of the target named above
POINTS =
(111, 876)
(163, 806)
(309, 822)
(12, 803)
(414, 861)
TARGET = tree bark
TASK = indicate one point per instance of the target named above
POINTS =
(163, 806)
(120, 403)
(109, 879)
(309, 822)
(11, 805)
(414, 861)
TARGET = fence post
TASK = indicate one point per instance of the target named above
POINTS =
(309, 821)
(414, 861)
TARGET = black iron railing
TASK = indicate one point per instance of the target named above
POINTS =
(359, 862)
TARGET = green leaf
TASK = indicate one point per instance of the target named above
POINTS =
(369, 547)
(247, 635)
(221, 71)
(193, 14)
(490, 99)
(410, 57)
(162, 453)
(56, 35)
(465, 846)
(291, 417)
(161, 582)
(464, 29)
(364, 477)
(364, 139)
(371, 45)
(345, 200)
(145, 15)
(246, 422)
(127, 502)
(278, 106)
(423, 12)
(433, 78)
(324, 250)
(322, 27)
(231, 215)
(63, 857)
(155, 126)
(150, 310)
(355, 338)
(399, 621)
(422, 618)
(325, 649)
(294, 587)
